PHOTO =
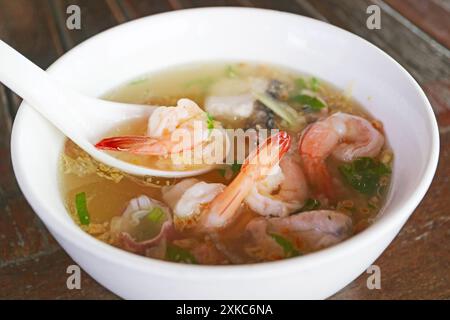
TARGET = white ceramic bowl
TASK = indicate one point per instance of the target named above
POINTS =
(168, 39)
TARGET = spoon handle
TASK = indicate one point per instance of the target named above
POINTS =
(83, 119)
(41, 91)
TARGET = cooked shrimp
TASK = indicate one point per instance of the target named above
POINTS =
(345, 136)
(170, 130)
(214, 206)
(188, 198)
(282, 192)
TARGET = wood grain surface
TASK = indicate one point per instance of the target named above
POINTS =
(414, 32)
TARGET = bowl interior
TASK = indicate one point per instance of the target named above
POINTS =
(309, 46)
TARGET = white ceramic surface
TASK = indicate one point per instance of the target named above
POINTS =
(310, 46)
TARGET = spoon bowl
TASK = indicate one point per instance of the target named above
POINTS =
(82, 119)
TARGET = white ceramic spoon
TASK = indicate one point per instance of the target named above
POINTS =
(83, 119)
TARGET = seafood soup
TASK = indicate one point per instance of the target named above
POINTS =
(296, 166)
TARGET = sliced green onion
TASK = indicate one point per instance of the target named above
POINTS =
(81, 206)
(288, 247)
(156, 214)
(177, 254)
(281, 109)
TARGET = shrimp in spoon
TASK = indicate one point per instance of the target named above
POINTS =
(214, 206)
(342, 135)
(170, 130)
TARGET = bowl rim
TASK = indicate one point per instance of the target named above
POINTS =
(72, 234)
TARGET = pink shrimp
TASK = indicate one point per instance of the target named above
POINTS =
(254, 168)
(214, 206)
(346, 137)
(282, 192)
(170, 130)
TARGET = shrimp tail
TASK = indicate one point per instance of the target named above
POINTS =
(281, 141)
(133, 144)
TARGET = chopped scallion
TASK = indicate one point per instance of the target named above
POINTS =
(156, 214)
(81, 206)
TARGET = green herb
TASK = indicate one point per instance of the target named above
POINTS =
(312, 102)
(209, 122)
(231, 71)
(314, 84)
(81, 206)
(364, 174)
(311, 204)
(282, 109)
(177, 254)
(156, 214)
(288, 247)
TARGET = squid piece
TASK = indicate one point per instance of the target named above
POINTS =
(144, 224)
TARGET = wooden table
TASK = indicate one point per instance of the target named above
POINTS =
(414, 32)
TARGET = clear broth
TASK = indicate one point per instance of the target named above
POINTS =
(109, 191)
